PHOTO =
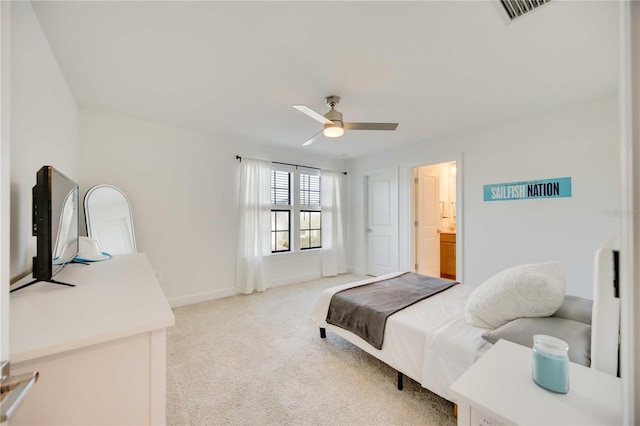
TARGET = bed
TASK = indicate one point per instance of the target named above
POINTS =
(427, 337)
(432, 342)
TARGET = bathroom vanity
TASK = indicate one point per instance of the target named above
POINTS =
(448, 255)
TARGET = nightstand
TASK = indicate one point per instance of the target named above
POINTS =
(498, 389)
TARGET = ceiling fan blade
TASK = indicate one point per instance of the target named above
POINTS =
(311, 139)
(370, 126)
(311, 113)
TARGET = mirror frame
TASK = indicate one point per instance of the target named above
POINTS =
(86, 215)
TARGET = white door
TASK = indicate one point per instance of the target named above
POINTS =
(382, 229)
(5, 177)
(427, 259)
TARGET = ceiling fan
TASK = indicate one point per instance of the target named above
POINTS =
(334, 126)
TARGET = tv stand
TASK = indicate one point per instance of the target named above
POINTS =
(37, 281)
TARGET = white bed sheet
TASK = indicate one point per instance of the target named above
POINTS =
(429, 341)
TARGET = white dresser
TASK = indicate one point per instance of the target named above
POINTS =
(498, 389)
(100, 347)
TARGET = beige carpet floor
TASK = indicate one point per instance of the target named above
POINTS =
(258, 360)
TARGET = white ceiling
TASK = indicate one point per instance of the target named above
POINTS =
(235, 68)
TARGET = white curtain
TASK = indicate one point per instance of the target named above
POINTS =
(333, 255)
(254, 220)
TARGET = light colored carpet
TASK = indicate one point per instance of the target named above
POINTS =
(259, 360)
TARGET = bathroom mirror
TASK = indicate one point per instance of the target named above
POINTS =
(109, 219)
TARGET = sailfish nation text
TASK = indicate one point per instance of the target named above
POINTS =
(546, 188)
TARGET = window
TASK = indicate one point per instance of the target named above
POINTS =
(310, 215)
(309, 190)
(280, 211)
(280, 188)
(295, 215)
(310, 230)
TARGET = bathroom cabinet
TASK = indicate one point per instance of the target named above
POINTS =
(448, 255)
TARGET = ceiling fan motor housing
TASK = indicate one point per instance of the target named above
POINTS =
(335, 116)
(335, 128)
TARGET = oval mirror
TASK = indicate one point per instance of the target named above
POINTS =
(109, 219)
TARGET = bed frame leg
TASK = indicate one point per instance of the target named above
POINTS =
(323, 333)
(400, 381)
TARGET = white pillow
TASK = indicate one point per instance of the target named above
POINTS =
(535, 290)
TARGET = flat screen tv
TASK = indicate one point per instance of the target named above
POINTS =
(55, 224)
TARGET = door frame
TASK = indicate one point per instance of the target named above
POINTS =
(5, 176)
(629, 101)
(406, 219)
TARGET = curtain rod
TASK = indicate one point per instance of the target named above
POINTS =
(239, 158)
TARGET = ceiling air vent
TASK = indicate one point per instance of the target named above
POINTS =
(517, 8)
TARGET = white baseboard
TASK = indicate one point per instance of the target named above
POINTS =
(219, 294)
(201, 297)
(357, 271)
(295, 279)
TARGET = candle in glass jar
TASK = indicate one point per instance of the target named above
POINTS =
(551, 363)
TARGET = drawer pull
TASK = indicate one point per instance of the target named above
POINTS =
(13, 390)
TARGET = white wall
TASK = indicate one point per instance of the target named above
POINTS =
(581, 142)
(183, 187)
(44, 126)
(182, 183)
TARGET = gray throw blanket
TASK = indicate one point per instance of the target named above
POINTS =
(364, 310)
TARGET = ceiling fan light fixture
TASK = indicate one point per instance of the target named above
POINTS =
(334, 125)
(333, 130)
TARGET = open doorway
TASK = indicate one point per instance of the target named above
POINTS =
(434, 201)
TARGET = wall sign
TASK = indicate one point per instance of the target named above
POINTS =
(544, 188)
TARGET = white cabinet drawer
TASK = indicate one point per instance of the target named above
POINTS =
(480, 418)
